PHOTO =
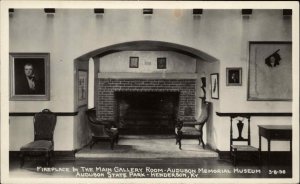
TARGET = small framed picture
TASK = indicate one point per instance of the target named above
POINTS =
(233, 76)
(214, 81)
(161, 63)
(133, 62)
(82, 81)
(29, 76)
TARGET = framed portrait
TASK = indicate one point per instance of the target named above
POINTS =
(270, 71)
(82, 87)
(233, 76)
(29, 76)
(133, 62)
(214, 81)
(161, 63)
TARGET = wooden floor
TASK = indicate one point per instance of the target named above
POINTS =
(147, 146)
(149, 157)
(148, 168)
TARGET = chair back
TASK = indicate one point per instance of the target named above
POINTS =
(239, 127)
(97, 127)
(204, 113)
(91, 115)
(44, 125)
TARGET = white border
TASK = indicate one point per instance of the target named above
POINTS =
(5, 5)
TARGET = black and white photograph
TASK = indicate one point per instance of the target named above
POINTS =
(149, 92)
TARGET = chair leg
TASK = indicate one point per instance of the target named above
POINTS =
(52, 156)
(259, 158)
(47, 158)
(92, 143)
(112, 140)
(117, 138)
(22, 159)
(201, 141)
(177, 139)
(179, 132)
(203, 145)
(235, 157)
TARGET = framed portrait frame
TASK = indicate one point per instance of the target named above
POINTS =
(270, 71)
(82, 87)
(234, 76)
(133, 62)
(214, 81)
(162, 63)
(29, 76)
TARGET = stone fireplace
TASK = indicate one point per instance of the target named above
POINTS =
(145, 106)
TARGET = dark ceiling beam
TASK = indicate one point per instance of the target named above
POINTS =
(147, 45)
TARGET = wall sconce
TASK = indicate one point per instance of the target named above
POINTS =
(148, 11)
(99, 11)
(50, 11)
(246, 13)
(287, 12)
(11, 11)
(197, 12)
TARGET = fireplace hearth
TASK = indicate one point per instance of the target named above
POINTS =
(147, 112)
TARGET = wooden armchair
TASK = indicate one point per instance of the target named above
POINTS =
(44, 125)
(192, 128)
(102, 130)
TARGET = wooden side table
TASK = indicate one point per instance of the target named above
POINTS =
(275, 132)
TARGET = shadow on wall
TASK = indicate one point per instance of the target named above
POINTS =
(210, 130)
(82, 131)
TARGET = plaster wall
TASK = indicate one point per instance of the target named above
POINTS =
(69, 34)
(21, 133)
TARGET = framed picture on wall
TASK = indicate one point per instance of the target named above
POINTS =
(161, 63)
(233, 76)
(29, 76)
(270, 71)
(82, 84)
(214, 81)
(133, 62)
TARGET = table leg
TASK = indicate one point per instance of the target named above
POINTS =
(291, 149)
(259, 147)
(269, 148)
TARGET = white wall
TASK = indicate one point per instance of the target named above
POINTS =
(223, 34)
(21, 133)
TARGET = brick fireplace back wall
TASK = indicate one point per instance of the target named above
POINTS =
(106, 101)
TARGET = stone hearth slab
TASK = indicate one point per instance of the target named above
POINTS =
(149, 146)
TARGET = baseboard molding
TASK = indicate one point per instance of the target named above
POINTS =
(64, 155)
(33, 113)
(275, 156)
